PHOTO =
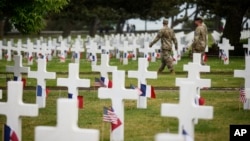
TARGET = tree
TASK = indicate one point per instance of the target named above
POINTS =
(27, 15)
(233, 11)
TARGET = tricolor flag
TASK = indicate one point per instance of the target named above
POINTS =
(136, 88)
(187, 137)
(39, 90)
(9, 134)
(106, 82)
(148, 91)
(110, 116)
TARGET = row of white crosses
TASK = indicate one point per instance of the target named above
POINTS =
(120, 43)
(66, 127)
(246, 75)
(117, 94)
(187, 111)
(40, 47)
(67, 117)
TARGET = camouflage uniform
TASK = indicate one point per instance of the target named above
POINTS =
(167, 36)
(200, 40)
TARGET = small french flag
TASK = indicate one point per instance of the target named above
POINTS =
(106, 82)
(9, 134)
(148, 91)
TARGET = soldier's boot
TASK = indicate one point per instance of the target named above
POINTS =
(172, 72)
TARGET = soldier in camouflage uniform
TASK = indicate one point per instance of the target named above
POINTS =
(167, 36)
(200, 38)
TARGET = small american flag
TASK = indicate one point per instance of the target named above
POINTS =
(109, 115)
(98, 83)
(136, 88)
(242, 95)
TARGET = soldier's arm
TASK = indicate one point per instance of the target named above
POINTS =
(174, 40)
(158, 37)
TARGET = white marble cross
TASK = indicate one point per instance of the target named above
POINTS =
(247, 46)
(67, 127)
(14, 108)
(194, 68)
(42, 50)
(73, 82)
(147, 50)
(125, 49)
(9, 47)
(92, 50)
(186, 111)
(246, 75)
(18, 68)
(134, 46)
(225, 47)
(77, 48)
(104, 67)
(118, 94)
(62, 48)
(142, 74)
(30, 51)
(41, 74)
(107, 47)
(18, 48)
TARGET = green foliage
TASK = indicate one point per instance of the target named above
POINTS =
(27, 15)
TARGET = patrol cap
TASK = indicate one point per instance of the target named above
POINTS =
(198, 19)
(165, 21)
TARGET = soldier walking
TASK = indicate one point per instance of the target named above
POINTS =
(200, 38)
(167, 37)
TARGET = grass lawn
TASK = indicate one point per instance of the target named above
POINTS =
(143, 124)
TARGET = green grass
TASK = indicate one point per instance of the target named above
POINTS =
(142, 124)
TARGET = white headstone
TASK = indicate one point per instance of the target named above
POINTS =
(18, 68)
(186, 111)
(73, 82)
(30, 52)
(9, 46)
(246, 75)
(77, 48)
(225, 47)
(118, 94)
(194, 68)
(92, 50)
(142, 74)
(14, 108)
(63, 49)
(125, 49)
(67, 127)
(147, 50)
(104, 67)
(247, 46)
(41, 74)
